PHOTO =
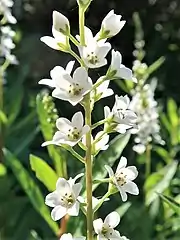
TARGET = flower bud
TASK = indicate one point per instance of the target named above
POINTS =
(60, 23)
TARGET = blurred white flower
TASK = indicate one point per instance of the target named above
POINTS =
(68, 236)
(7, 44)
(64, 199)
(5, 10)
(111, 25)
(59, 41)
(117, 69)
(144, 104)
(123, 178)
(121, 118)
(69, 133)
(105, 230)
(69, 88)
(94, 53)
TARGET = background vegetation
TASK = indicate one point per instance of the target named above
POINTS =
(30, 120)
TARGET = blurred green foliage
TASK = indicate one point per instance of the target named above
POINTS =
(29, 121)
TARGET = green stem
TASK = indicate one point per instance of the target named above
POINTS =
(81, 26)
(75, 154)
(148, 160)
(88, 166)
(98, 124)
(73, 40)
(76, 57)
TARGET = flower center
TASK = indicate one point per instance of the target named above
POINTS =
(73, 134)
(92, 58)
(121, 178)
(75, 89)
(67, 200)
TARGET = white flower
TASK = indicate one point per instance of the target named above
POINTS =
(69, 88)
(5, 10)
(68, 236)
(69, 132)
(94, 52)
(54, 81)
(59, 41)
(118, 70)
(123, 178)
(101, 91)
(145, 105)
(105, 230)
(111, 25)
(121, 117)
(64, 198)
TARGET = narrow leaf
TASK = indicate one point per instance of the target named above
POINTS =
(30, 188)
(44, 172)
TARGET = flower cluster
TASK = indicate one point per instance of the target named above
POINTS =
(78, 88)
(144, 104)
(7, 34)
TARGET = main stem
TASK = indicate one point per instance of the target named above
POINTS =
(88, 166)
(88, 163)
(1, 108)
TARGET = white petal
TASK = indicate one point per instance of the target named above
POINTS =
(103, 50)
(66, 236)
(63, 187)
(52, 199)
(112, 219)
(63, 124)
(77, 120)
(49, 143)
(47, 82)
(51, 42)
(125, 73)
(74, 210)
(123, 194)
(85, 129)
(76, 188)
(122, 164)
(88, 35)
(107, 111)
(60, 21)
(116, 60)
(60, 94)
(58, 212)
(131, 188)
(80, 76)
(110, 171)
(131, 172)
(70, 66)
(98, 224)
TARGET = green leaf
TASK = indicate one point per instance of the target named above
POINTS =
(175, 206)
(123, 209)
(157, 64)
(30, 188)
(172, 112)
(3, 117)
(165, 122)
(44, 172)
(163, 153)
(109, 156)
(161, 182)
(3, 170)
(57, 154)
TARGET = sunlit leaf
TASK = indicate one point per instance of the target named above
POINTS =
(157, 64)
(31, 189)
(3, 170)
(44, 172)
